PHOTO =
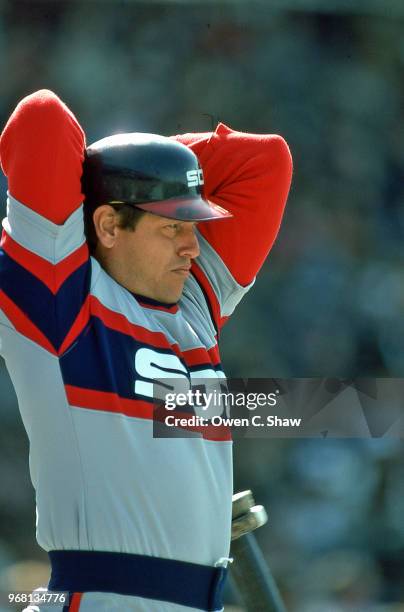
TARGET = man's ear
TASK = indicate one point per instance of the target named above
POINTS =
(106, 224)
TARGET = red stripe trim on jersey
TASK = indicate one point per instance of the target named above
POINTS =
(79, 324)
(108, 402)
(22, 323)
(52, 275)
(118, 322)
(203, 281)
(111, 402)
(197, 356)
(214, 354)
(75, 602)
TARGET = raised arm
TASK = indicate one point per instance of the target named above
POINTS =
(250, 175)
(44, 261)
(41, 151)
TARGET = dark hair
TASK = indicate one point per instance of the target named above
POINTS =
(129, 216)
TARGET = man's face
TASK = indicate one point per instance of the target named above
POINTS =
(154, 259)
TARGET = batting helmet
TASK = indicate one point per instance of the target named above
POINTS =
(153, 173)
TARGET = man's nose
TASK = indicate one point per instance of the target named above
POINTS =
(189, 244)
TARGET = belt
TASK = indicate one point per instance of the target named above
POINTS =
(188, 584)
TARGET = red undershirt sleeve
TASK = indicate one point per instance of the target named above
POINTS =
(249, 175)
(41, 151)
(45, 270)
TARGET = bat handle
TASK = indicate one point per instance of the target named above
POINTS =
(253, 577)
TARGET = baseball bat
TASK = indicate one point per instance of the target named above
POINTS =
(250, 572)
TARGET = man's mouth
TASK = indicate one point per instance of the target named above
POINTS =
(184, 271)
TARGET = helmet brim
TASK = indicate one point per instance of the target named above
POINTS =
(186, 209)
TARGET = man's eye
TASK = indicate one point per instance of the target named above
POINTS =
(173, 226)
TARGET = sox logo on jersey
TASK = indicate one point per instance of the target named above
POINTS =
(152, 367)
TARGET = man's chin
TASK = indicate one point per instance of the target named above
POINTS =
(167, 293)
(171, 297)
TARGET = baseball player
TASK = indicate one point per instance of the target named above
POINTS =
(95, 307)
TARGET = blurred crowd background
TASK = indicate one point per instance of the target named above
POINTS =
(328, 76)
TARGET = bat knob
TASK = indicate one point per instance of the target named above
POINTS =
(246, 515)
